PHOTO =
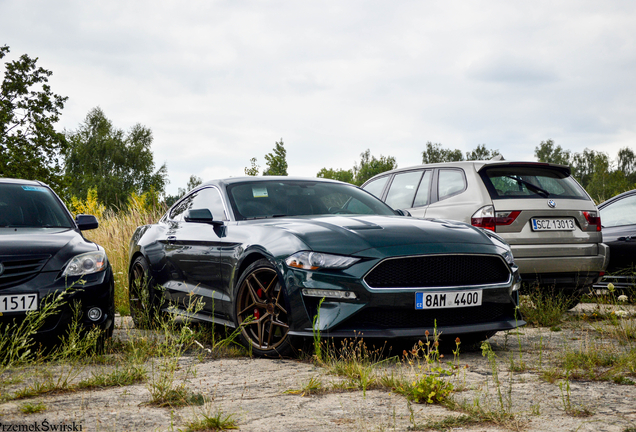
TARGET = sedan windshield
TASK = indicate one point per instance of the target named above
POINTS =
(32, 207)
(264, 199)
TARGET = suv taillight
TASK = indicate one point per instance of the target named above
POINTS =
(486, 218)
(593, 218)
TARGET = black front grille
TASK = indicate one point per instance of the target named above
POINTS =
(376, 318)
(438, 271)
(19, 269)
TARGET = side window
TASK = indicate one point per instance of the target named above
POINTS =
(402, 189)
(451, 182)
(422, 196)
(622, 212)
(205, 198)
(376, 186)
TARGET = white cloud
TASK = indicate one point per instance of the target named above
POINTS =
(219, 82)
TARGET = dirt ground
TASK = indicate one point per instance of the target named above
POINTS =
(253, 391)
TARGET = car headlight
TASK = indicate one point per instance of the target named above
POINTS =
(315, 260)
(507, 255)
(86, 263)
(501, 243)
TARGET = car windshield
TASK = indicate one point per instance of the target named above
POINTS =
(264, 199)
(31, 206)
(530, 182)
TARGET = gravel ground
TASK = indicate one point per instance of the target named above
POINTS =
(253, 390)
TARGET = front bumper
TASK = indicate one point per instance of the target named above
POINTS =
(81, 294)
(391, 313)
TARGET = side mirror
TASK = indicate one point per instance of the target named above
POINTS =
(401, 212)
(86, 222)
(200, 216)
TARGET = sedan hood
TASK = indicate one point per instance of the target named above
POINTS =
(59, 243)
(352, 234)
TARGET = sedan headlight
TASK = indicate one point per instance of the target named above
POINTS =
(508, 257)
(86, 263)
(315, 260)
(501, 243)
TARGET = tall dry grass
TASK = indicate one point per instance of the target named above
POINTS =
(114, 234)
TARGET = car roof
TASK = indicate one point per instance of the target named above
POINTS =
(477, 165)
(617, 197)
(245, 179)
(21, 181)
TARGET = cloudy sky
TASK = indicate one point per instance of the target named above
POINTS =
(219, 82)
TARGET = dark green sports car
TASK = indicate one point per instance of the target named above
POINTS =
(262, 252)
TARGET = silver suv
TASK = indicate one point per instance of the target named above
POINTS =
(550, 222)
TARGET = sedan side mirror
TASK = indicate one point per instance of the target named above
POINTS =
(200, 216)
(86, 222)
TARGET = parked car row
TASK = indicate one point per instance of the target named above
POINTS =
(282, 257)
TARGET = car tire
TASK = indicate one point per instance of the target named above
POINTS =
(261, 312)
(144, 298)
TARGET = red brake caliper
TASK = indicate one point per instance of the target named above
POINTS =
(257, 313)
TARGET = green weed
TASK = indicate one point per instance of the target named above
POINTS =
(29, 408)
(542, 309)
(213, 422)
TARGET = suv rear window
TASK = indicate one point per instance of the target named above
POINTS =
(530, 182)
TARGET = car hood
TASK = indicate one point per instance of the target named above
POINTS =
(60, 244)
(352, 234)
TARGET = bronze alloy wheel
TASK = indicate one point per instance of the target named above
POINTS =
(261, 311)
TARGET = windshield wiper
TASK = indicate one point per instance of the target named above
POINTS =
(534, 188)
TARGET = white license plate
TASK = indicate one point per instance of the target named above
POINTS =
(18, 303)
(566, 224)
(447, 299)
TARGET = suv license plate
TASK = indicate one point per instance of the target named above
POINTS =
(18, 303)
(566, 224)
(447, 299)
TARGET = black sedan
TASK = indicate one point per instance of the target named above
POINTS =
(618, 218)
(42, 254)
(261, 253)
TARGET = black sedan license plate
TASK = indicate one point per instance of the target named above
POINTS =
(566, 224)
(18, 303)
(447, 299)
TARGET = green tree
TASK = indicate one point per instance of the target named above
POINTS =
(585, 164)
(547, 152)
(434, 153)
(603, 182)
(370, 166)
(276, 161)
(339, 174)
(253, 171)
(29, 144)
(481, 153)
(115, 163)
(626, 160)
